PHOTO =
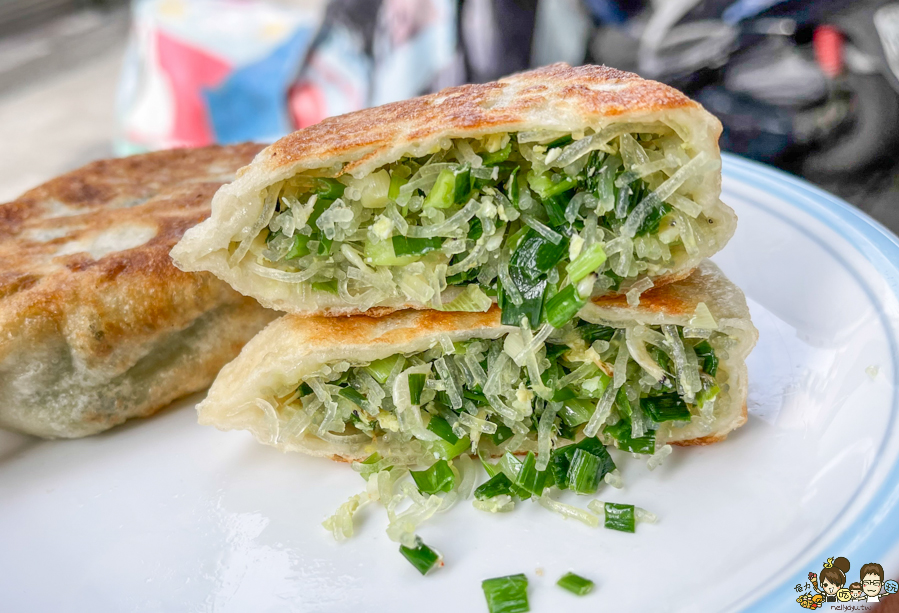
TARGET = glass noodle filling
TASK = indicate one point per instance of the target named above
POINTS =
(521, 392)
(538, 220)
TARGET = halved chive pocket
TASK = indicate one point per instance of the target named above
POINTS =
(624, 197)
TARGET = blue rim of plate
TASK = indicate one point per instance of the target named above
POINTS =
(875, 530)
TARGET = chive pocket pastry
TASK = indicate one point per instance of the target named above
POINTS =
(416, 384)
(562, 181)
(96, 324)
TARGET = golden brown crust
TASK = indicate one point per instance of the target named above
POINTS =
(588, 91)
(676, 302)
(85, 274)
(321, 333)
(658, 299)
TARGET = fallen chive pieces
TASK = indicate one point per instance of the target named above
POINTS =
(620, 517)
(422, 557)
(497, 485)
(506, 594)
(437, 478)
(575, 584)
(583, 475)
(529, 478)
(416, 385)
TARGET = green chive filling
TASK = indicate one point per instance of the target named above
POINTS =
(538, 220)
(523, 392)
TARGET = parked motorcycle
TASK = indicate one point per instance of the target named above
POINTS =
(810, 84)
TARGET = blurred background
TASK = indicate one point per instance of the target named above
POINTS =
(809, 86)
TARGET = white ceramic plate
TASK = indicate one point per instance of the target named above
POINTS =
(165, 515)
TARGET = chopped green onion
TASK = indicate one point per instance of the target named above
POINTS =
(475, 229)
(324, 246)
(560, 142)
(298, 249)
(553, 350)
(382, 253)
(567, 432)
(397, 180)
(595, 446)
(416, 385)
(561, 308)
(575, 411)
(534, 256)
(372, 459)
(555, 209)
(621, 432)
(545, 187)
(529, 478)
(497, 485)
(497, 157)
(513, 190)
(595, 332)
(326, 286)
(422, 557)
(510, 466)
(320, 206)
(666, 407)
(537, 255)
(414, 246)
(651, 222)
(575, 584)
(381, 369)
(491, 469)
(583, 474)
(616, 280)
(560, 463)
(437, 478)
(706, 394)
(353, 396)
(502, 434)
(707, 357)
(506, 594)
(370, 465)
(451, 187)
(550, 376)
(623, 403)
(441, 428)
(620, 517)
(448, 451)
(587, 262)
(476, 397)
(531, 306)
(329, 189)
(463, 277)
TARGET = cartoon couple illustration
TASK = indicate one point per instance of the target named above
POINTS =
(833, 578)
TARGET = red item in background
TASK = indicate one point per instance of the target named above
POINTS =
(190, 69)
(307, 104)
(828, 44)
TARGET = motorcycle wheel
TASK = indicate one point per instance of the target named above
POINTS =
(867, 137)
